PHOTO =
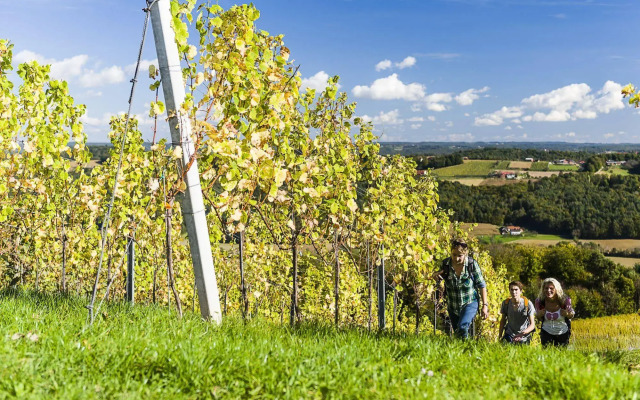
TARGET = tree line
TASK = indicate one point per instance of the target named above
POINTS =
(583, 206)
(597, 285)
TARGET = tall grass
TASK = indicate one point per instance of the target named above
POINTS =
(145, 352)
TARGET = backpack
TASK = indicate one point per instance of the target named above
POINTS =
(526, 302)
(526, 307)
(567, 304)
(446, 264)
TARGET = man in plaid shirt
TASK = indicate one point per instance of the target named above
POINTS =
(463, 280)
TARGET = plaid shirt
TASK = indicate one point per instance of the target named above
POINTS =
(463, 290)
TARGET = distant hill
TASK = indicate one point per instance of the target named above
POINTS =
(438, 148)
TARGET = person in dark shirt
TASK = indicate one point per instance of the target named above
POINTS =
(464, 287)
(518, 316)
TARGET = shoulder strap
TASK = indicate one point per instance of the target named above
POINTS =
(526, 303)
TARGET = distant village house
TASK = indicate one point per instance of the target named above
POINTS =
(511, 230)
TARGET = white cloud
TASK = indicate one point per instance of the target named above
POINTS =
(406, 63)
(390, 88)
(431, 118)
(92, 121)
(467, 97)
(498, 117)
(433, 102)
(608, 135)
(461, 137)
(568, 103)
(449, 124)
(386, 64)
(507, 128)
(382, 65)
(416, 119)
(562, 98)
(609, 98)
(64, 69)
(389, 118)
(488, 120)
(570, 134)
(317, 81)
(105, 76)
(144, 67)
(415, 126)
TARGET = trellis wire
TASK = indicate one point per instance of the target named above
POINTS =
(105, 224)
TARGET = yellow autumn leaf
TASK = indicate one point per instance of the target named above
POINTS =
(280, 176)
(352, 205)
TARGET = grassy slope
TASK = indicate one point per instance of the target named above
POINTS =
(141, 352)
(480, 168)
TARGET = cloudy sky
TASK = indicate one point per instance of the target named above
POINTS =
(436, 70)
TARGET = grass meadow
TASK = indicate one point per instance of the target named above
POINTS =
(554, 167)
(146, 352)
(470, 168)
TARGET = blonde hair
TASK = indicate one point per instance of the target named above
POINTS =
(560, 296)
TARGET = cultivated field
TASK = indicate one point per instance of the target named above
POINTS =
(554, 167)
(543, 174)
(469, 168)
(502, 182)
(626, 261)
(618, 332)
(520, 164)
(468, 181)
(470, 171)
(483, 229)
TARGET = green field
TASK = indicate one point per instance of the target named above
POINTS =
(508, 238)
(615, 170)
(470, 168)
(539, 166)
(135, 352)
(614, 332)
(502, 165)
(553, 167)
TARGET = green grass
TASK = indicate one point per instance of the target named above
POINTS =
(548, 237)
(471, 168)
(553, 167)
(539, 166)
(145, 352)
(502, 165)
(616, 170)
(495, 239)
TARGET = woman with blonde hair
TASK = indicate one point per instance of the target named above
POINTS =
(553, 307)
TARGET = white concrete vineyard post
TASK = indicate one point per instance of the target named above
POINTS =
(173, 88)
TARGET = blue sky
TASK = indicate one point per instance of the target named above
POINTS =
(421, 70)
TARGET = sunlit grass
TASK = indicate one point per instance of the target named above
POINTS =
(146, 352)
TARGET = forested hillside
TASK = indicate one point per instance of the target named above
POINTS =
(597, 285)
(579, 205)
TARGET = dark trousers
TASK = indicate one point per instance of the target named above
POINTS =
(554, 340)
(461, 319)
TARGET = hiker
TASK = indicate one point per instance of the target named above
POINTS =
(463, 281)
(553, 307)
(518, 316)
